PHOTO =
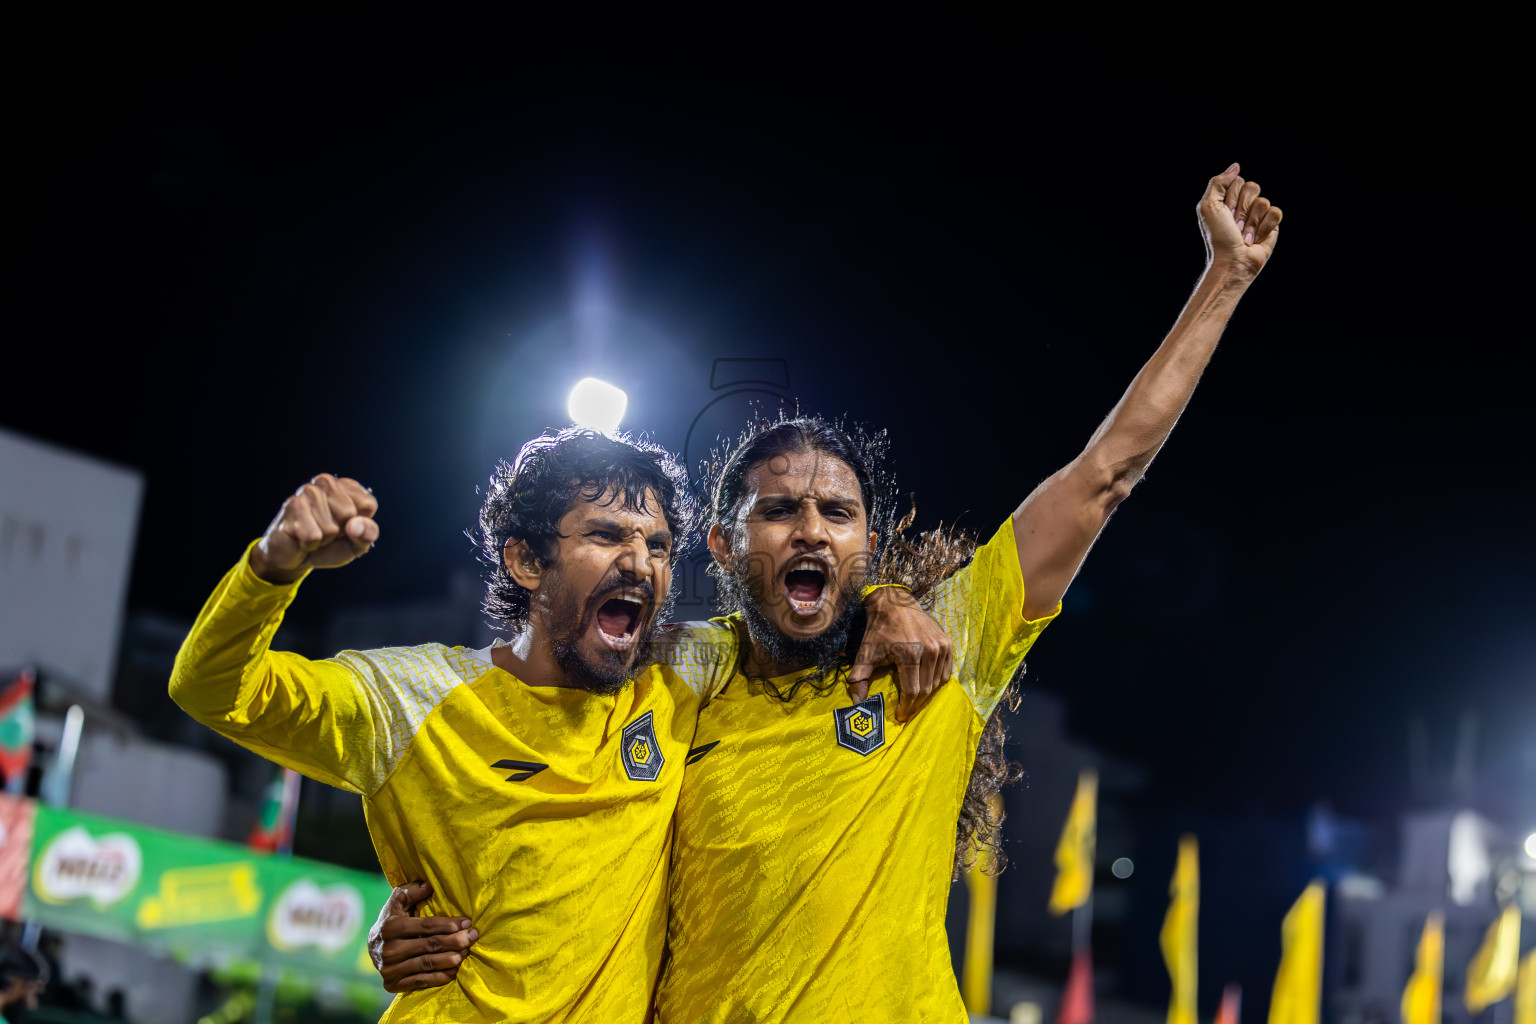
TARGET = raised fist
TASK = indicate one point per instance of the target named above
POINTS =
(328, 522)
(1240, 228)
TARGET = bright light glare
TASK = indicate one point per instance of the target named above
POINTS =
(597, 405)
(1530, 846)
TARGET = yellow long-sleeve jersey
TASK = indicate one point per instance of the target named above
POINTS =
(543, 814)
(815, 837)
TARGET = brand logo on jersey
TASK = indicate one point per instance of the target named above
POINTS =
(861, 728)
(698, 752)
(639, 750)
(522, 770)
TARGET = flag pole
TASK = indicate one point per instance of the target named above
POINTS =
(55, 790)
(1076, 1005)
(266, 994)
(1082, 925)
(981, 884)
(1073, 890)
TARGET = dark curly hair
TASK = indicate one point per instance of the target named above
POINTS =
(527, 499)
(919, 564)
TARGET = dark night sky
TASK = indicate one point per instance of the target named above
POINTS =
(252, 253)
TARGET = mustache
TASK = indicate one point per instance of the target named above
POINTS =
(615, 583)
(828, 567)
(760, 567)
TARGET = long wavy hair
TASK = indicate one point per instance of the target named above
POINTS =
(918, 563)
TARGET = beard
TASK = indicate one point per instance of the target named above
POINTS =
(609, 672)
(823, 650)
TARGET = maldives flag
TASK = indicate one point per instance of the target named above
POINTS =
(273, 830)
(16, 728)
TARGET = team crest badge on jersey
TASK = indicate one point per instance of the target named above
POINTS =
(861, 728)
(640, 752)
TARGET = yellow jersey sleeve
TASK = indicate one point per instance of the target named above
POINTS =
(702, 654)
(344, 721)
(981, 607)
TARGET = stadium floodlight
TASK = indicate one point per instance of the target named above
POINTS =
(597, 405)
(1530, 846)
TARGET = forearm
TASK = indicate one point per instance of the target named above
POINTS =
(1128, 439)
(1057, 524)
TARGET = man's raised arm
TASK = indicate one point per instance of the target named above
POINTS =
(1058, 522)
(317, 717)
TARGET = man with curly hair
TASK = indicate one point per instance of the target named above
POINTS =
(817, 828)
(533, 783)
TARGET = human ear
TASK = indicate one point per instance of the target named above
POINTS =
(521, 564)
(719, 547)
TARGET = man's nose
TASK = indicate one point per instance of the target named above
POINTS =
(810, 529)
(635, 561)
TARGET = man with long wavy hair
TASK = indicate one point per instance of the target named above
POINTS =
(816, 829)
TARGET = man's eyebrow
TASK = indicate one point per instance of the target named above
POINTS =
(847, 501)
(605, 524)
(619, 528)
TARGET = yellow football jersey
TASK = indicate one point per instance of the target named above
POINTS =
(815, 838)
(540, 813)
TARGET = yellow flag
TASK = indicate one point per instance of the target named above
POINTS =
(976, 968)
(1525, 991)
(1421, 997)
(1074, 853)
(1180, 929)
(1491, 974)
(1299, 981)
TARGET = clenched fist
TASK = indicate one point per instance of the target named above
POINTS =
(1240, 228)
(328, 522)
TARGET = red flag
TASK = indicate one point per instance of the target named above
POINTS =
(1077, 1001)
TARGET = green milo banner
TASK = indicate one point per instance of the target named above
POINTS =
(207, 901)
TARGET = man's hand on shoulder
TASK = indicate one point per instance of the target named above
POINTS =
(326, 523)
(413, 953)
(898, 631)
(1240, 227)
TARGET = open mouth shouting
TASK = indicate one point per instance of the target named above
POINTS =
(805, 585)
(618, 621)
